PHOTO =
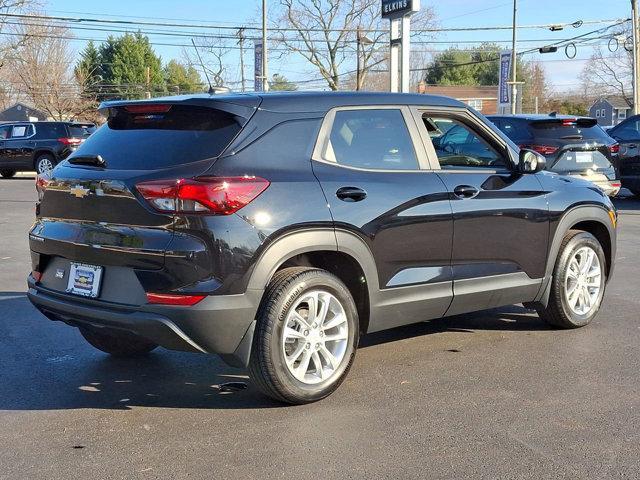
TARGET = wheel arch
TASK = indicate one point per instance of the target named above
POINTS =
(588, 218)
(40, 152)
(341, 253)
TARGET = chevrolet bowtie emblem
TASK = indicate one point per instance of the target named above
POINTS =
(79, 191)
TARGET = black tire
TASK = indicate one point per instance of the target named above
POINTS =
(46, 157)
(117, 343)
(8, 173)
(267, 365)
(558, 312)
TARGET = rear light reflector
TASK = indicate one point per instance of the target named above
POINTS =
(37, 276)
(541, 149)
(615, 148)
(170, 299)
(615, 184)
(70, 141)
(205, 195)
(147, 108)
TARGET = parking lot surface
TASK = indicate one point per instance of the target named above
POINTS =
(496, 394)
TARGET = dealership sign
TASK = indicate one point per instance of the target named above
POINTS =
(399, 8)
(504, 96)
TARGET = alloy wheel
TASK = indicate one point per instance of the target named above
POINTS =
(315, 337)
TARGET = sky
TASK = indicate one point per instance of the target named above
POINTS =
(561, 72)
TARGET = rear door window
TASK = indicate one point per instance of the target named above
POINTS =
(49, 131)
(22, 131)
(135, 139)
(5, 132)
(372, 139)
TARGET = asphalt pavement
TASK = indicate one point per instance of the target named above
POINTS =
(491, 395)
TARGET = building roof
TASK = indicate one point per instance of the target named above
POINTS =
(615, 102)
(464, 92)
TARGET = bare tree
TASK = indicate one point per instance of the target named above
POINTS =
(40, 70)
(324, 32)
(609, 73)
(11, 41)
(213, 55)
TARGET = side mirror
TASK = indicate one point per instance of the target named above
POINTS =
(531, 162)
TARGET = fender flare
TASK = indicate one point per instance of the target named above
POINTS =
(312, 240)
(573, 216)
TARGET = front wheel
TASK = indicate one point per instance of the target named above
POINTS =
(117, 343)
(578, 283)
(306, 336)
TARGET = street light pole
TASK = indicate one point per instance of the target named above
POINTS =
(636, 57)
(514, 85)
(265, 55)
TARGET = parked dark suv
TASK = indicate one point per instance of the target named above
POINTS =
(575, 146)
(276, 229)
(627, 134)
(39, 146)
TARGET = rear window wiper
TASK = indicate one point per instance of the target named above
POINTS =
(93, 160)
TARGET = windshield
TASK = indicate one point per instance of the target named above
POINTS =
(580, 162)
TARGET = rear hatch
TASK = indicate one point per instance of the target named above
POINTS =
(91, 211)
(574, 146)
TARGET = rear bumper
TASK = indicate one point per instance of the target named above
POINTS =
(219, 324)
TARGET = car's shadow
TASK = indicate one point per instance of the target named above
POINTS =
(48, 366)
(627, 203)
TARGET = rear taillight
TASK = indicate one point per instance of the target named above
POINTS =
(70, 141)
(541, 149)
(569, 122)
(37, 276)
(148, 108)
(615, 184)
(615, 148)
(170, 299)
(206, 195)
(42, 182)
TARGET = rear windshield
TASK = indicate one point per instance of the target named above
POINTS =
(579, 162)
(581, 129)
(81, 131)
(137, 140)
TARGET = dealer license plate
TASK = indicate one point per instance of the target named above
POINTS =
(84, 280)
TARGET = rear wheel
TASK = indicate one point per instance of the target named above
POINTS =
(117, 343)
(306, 336)
(578, 283)
(45, 163)
(8, 173)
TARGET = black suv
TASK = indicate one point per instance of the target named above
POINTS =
(575, 146)
(277, 229)
(627, 134)
(39, 146)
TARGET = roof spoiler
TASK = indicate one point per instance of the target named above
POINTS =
(243, 107)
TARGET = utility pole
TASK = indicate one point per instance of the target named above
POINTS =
(241, 43)
(514, 85)
(148, 74)
(265, 53)
(636, 57)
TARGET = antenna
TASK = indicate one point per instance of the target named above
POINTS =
(211, 90)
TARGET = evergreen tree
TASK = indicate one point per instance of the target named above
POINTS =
(182, 79)
(280, 83)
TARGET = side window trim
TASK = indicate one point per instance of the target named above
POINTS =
(323, 150)
(463, 116)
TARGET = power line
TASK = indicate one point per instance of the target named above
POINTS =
(284, 29)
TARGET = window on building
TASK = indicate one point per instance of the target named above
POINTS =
(598, 113)
(603, 113)
(622, 114)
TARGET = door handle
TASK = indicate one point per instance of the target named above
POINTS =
(465, 191)
(351, 194)
(632, 145)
